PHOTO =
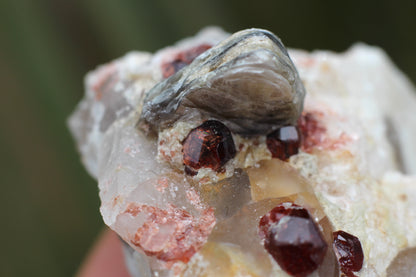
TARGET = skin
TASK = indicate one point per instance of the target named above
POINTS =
(105, 258)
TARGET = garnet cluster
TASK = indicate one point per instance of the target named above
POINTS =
(293, 239)
(209, 145)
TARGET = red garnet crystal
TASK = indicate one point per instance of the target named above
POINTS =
(293, 239)
(208, 145)
(348, 251)
(284, 142)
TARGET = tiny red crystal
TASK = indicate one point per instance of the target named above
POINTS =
(209, 145)
(349, 252)
(293, 239)
(284, 142)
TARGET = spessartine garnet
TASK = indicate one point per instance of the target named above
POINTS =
(209, 145)
(284, 142)
(293, 239)
(349, 252)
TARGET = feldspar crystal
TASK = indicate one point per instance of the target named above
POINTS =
(194, 145)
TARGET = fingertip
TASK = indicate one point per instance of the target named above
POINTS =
(106, 258)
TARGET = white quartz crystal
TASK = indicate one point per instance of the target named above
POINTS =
(358, 160)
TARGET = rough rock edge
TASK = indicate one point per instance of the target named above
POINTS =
(396, 189)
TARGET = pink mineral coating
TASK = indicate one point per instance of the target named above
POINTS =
(106, 77)
(171, 234)
(162, 184)
(193, 197)
(312, 130)
(314, 133)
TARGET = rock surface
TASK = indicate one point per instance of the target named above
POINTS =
(355, 169)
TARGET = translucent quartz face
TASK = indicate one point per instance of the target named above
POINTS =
(212, 161)
(403, 264)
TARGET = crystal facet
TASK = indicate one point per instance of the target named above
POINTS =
(293, 239)
(348, 251)
(284, 142)
(208, 145)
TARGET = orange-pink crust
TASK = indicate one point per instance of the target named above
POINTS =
(171, 234)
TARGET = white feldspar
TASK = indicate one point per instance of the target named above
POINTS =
(361, 167)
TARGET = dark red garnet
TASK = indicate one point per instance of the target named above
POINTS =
(284, 142)
(209, 145)
(182, 59)
(293, 239)
(349, 252)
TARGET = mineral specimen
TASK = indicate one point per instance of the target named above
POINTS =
(284, 142)
(196, 146)
(182, 59)
(293, 239)
(247, 81)
(349, 252)
(208, 145)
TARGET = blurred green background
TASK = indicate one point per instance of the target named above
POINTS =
(48, 203)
